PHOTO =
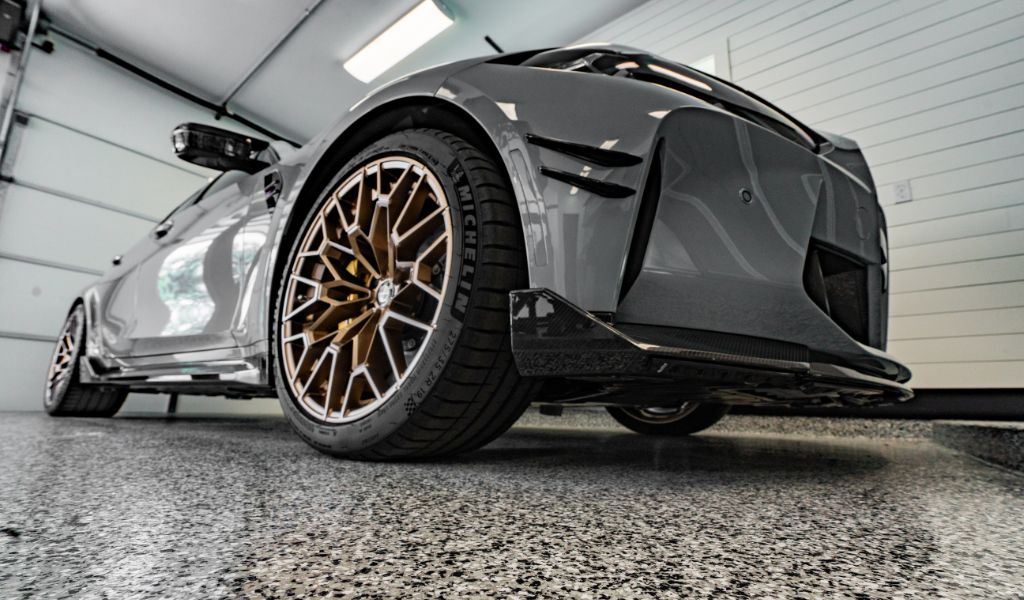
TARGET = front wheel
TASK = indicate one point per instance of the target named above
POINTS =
(685, 419)
(392, 322)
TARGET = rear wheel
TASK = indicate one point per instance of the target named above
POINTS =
(685, 419)
(65, 396)
(392, 323)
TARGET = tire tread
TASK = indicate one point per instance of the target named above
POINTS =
(480, 393)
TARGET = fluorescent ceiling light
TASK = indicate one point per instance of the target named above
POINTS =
(402, 38)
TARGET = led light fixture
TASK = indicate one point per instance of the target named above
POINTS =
(417, 27)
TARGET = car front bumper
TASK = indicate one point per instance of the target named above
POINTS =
(554, 339)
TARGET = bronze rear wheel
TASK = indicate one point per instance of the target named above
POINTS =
(65, 395)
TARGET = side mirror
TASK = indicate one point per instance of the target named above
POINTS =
(219, 149)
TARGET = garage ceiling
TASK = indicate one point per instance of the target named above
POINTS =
(299, 86)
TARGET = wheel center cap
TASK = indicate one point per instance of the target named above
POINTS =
(385, 292)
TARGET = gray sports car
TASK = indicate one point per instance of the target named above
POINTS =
(584, 225)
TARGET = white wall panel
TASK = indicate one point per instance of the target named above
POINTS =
(933, 90)
(1006, 243)
(944, 90)
(980, 223)
(982, 348)
(961, 274)
(931, 162)
(957, 300)
(1003, 98)
(945, 31)
(816, 29)
(987, 197)
(1003, 374)
(982, 129)
(981, 322)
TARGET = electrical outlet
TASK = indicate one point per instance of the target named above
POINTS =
(901, 192)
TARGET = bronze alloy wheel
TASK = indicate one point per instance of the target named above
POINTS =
(364, 291)
(65, 395)
(658, 416)
(687, 418)
(62, 365)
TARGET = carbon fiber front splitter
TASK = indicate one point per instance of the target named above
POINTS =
(589, 360)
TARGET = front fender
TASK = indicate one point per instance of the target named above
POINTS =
(576, 241)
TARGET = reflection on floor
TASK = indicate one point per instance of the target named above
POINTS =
(232, 507)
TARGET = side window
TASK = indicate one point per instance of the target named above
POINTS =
(218, 183)
(225, 179)
(189, 201)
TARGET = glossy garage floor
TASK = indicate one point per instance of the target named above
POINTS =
(207, 508)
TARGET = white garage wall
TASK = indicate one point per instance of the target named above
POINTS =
(93, 172)
(934, 92)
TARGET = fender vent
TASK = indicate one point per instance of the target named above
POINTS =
(596, 186)
(644, 224)
(598, 156)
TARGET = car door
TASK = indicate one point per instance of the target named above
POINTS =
(186, 289)
(117, 290)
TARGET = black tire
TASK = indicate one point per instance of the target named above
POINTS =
(66, 396)
(698, 418)
(465, 389)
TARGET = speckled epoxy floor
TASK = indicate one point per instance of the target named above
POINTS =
(147, 508)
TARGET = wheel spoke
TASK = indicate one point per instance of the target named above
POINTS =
(380, 242)
(409, 321)
(364, 251)
(408, 243)
(391, 341)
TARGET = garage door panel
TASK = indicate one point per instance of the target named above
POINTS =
(23, 372)
(28, 228)
(35, 299)
(68, 162)
(110, 102)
